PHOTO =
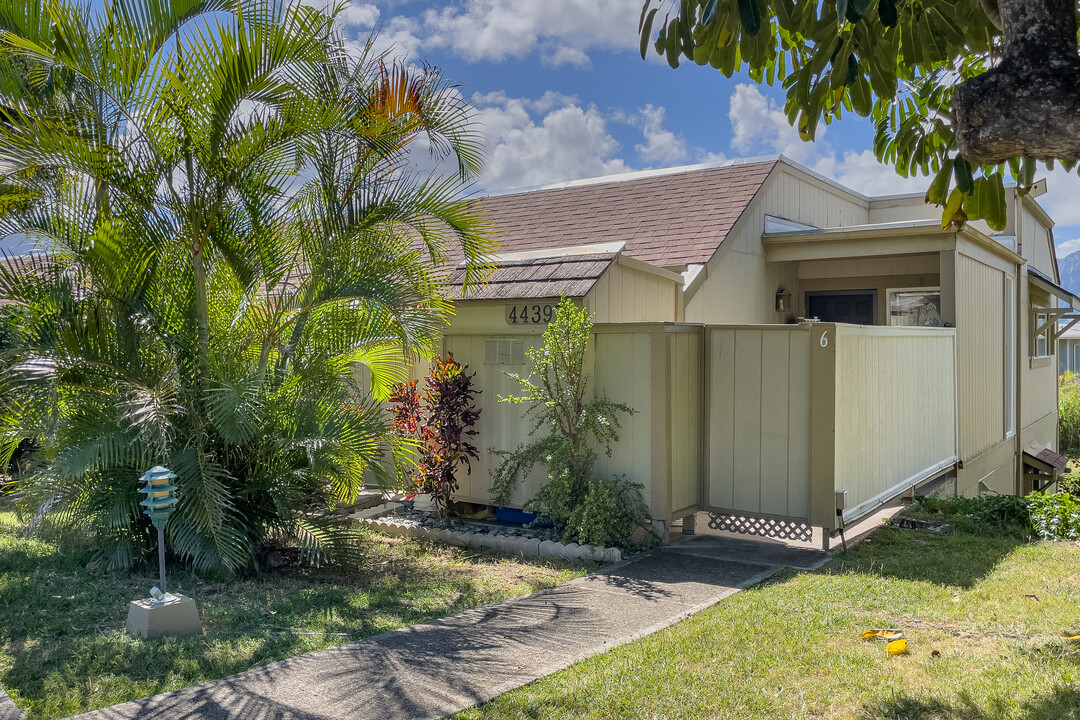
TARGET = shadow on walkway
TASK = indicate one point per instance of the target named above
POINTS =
(431, 670)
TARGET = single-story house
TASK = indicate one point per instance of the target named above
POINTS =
(1068, 350)
(798, 353)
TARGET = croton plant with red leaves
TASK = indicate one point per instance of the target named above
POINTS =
(441, 421)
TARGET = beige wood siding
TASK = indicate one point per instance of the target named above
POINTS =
(623, 371)
(980, 353)
(500, 425)
(901, 210)
(895, 408)
(869, 267)
(489, 317)
(625, 294)
(1039, 391)
(739, 286)
(620, 366)
(800, 197)
(758, 419)
(686, 400)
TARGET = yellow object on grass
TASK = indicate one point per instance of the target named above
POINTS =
(874, 634)
(897, 647)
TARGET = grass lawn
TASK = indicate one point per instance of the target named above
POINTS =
(983, 617)
(63, 650)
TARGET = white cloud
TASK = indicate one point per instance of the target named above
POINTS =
(661, 146)
(566, 55)
(561, 32)
(861, 171)
(536, 142)
(362, 15)
(1068, 247)
(1062, 198)
(759, 126)
(556, 137)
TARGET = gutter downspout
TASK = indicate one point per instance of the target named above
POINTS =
(1021, 319)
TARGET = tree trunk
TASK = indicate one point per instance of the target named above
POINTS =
(202, 306)
(1029, 103)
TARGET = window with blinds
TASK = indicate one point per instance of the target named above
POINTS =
(504, 351)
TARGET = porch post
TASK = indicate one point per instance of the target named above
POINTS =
(660, 367)
(822, 513)
(947, 282)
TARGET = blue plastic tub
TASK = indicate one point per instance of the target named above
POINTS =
(514, 515)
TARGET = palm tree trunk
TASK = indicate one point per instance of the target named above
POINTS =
(202, 307)
(198, 272)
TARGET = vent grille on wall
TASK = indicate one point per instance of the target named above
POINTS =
(504, 351)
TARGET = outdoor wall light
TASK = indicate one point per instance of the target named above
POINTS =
(783, 301)
(159, 505)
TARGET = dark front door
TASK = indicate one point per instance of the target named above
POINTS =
(858, 307)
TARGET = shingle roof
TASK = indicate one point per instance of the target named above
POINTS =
(37, 263)
(665, 219)
(539, 277)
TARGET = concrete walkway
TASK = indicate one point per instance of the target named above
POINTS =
(8, 710)
(431, 670)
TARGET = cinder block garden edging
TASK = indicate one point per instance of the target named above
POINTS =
(494, 540)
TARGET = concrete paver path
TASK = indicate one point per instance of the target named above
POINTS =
(431, 670)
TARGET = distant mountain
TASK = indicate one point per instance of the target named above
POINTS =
(1069, 267)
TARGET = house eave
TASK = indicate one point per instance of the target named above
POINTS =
(903, 238)
(988, 243)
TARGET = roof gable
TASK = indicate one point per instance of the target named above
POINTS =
(669, 219)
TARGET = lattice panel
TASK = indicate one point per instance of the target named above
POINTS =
(766, 527)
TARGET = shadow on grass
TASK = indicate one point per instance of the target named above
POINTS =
(61, 626)
(959, 560)
(1061, 703)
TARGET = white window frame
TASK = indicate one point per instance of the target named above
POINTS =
(889, 292)
(1037, 319)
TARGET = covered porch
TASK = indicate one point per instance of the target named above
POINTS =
(889, 274)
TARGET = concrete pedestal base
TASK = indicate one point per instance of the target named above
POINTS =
(177, 617)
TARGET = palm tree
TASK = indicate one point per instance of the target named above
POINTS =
(234, 227)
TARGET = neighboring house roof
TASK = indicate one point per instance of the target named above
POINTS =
(38, 263)
(666, 218)
(1072, 333)
(545, 274)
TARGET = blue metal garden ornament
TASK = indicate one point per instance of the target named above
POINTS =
(159, 505)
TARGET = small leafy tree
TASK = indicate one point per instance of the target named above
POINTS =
(566, 427)
(441, 427)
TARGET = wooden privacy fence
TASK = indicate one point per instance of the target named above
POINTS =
(765, 422)
(799, 413)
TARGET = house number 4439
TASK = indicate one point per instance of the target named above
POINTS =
(529, 314)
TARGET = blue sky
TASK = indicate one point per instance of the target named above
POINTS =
(562, 94)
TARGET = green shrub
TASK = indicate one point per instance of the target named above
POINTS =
(988, 515)
(1070, 483)
(609, 514)
(1054, 516)
(1069, 413)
